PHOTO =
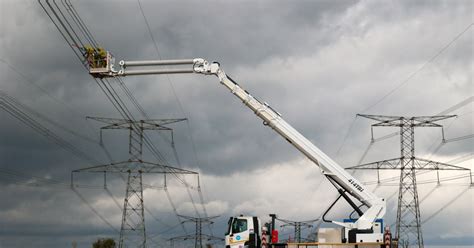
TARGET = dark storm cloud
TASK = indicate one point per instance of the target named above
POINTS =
(317, 62)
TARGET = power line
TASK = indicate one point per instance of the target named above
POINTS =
(408, 212)
(155, 45)
(450, 202)
(55, 184)
(410, 76)
(37, 182)
(457, 106)
(297, 225)
(428, 181)
(116, 100)
(46, 119)
(198, 236)
(103, 84)
(133, 230)
(447, 111)
(347, 135)
(15, 108)
(43, 90)
(175, 210)
(462, 158)
(21, 179)
(406, 80)
(94, 210)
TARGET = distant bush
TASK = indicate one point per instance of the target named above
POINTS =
(104, 243)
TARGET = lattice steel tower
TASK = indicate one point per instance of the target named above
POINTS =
(408, 225)
(132, 231)
(198, 236)
(297, 226)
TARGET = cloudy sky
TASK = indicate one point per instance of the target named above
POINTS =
(319, 63)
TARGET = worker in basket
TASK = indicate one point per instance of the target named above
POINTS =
(101, 57)
(96, 58)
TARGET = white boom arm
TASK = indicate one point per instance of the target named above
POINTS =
(376, 206)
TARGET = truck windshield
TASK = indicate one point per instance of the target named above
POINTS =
(239, 225)
(229, 226)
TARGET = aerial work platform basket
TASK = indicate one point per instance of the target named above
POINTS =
(99, 61)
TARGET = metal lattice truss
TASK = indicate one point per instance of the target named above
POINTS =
(408, 212)
(151, 124)
(132, 231)
(136, 130)
(198, 237)
(135, 166)
(416, 121)
(395, 164)
(297, 225)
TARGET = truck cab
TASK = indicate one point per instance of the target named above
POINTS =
(243, 232)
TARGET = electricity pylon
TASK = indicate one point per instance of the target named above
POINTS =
(132, 231)
(297, 225)
(408, 226)
(198, 236)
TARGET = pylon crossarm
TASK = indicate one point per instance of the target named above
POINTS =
(113, 167)
(165, 121)
(425, 164)
(124, 125)
(387, 123)
(159, 124)
(190, 237)
(143, 126)
(302, 222)
(119, 121)
(419, 121)
(389, 164)
(426, 124)
(135, 166)
(381, 118)
(428, 119)
(297, 223)
(137, 127)
(189, 218)
(184, 237)
(155, 168)
(201, 219)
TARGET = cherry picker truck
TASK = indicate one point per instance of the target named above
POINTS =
(246, 232)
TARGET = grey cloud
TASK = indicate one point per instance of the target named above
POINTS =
(318, 63)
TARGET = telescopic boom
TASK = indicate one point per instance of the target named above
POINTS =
(345, 182)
